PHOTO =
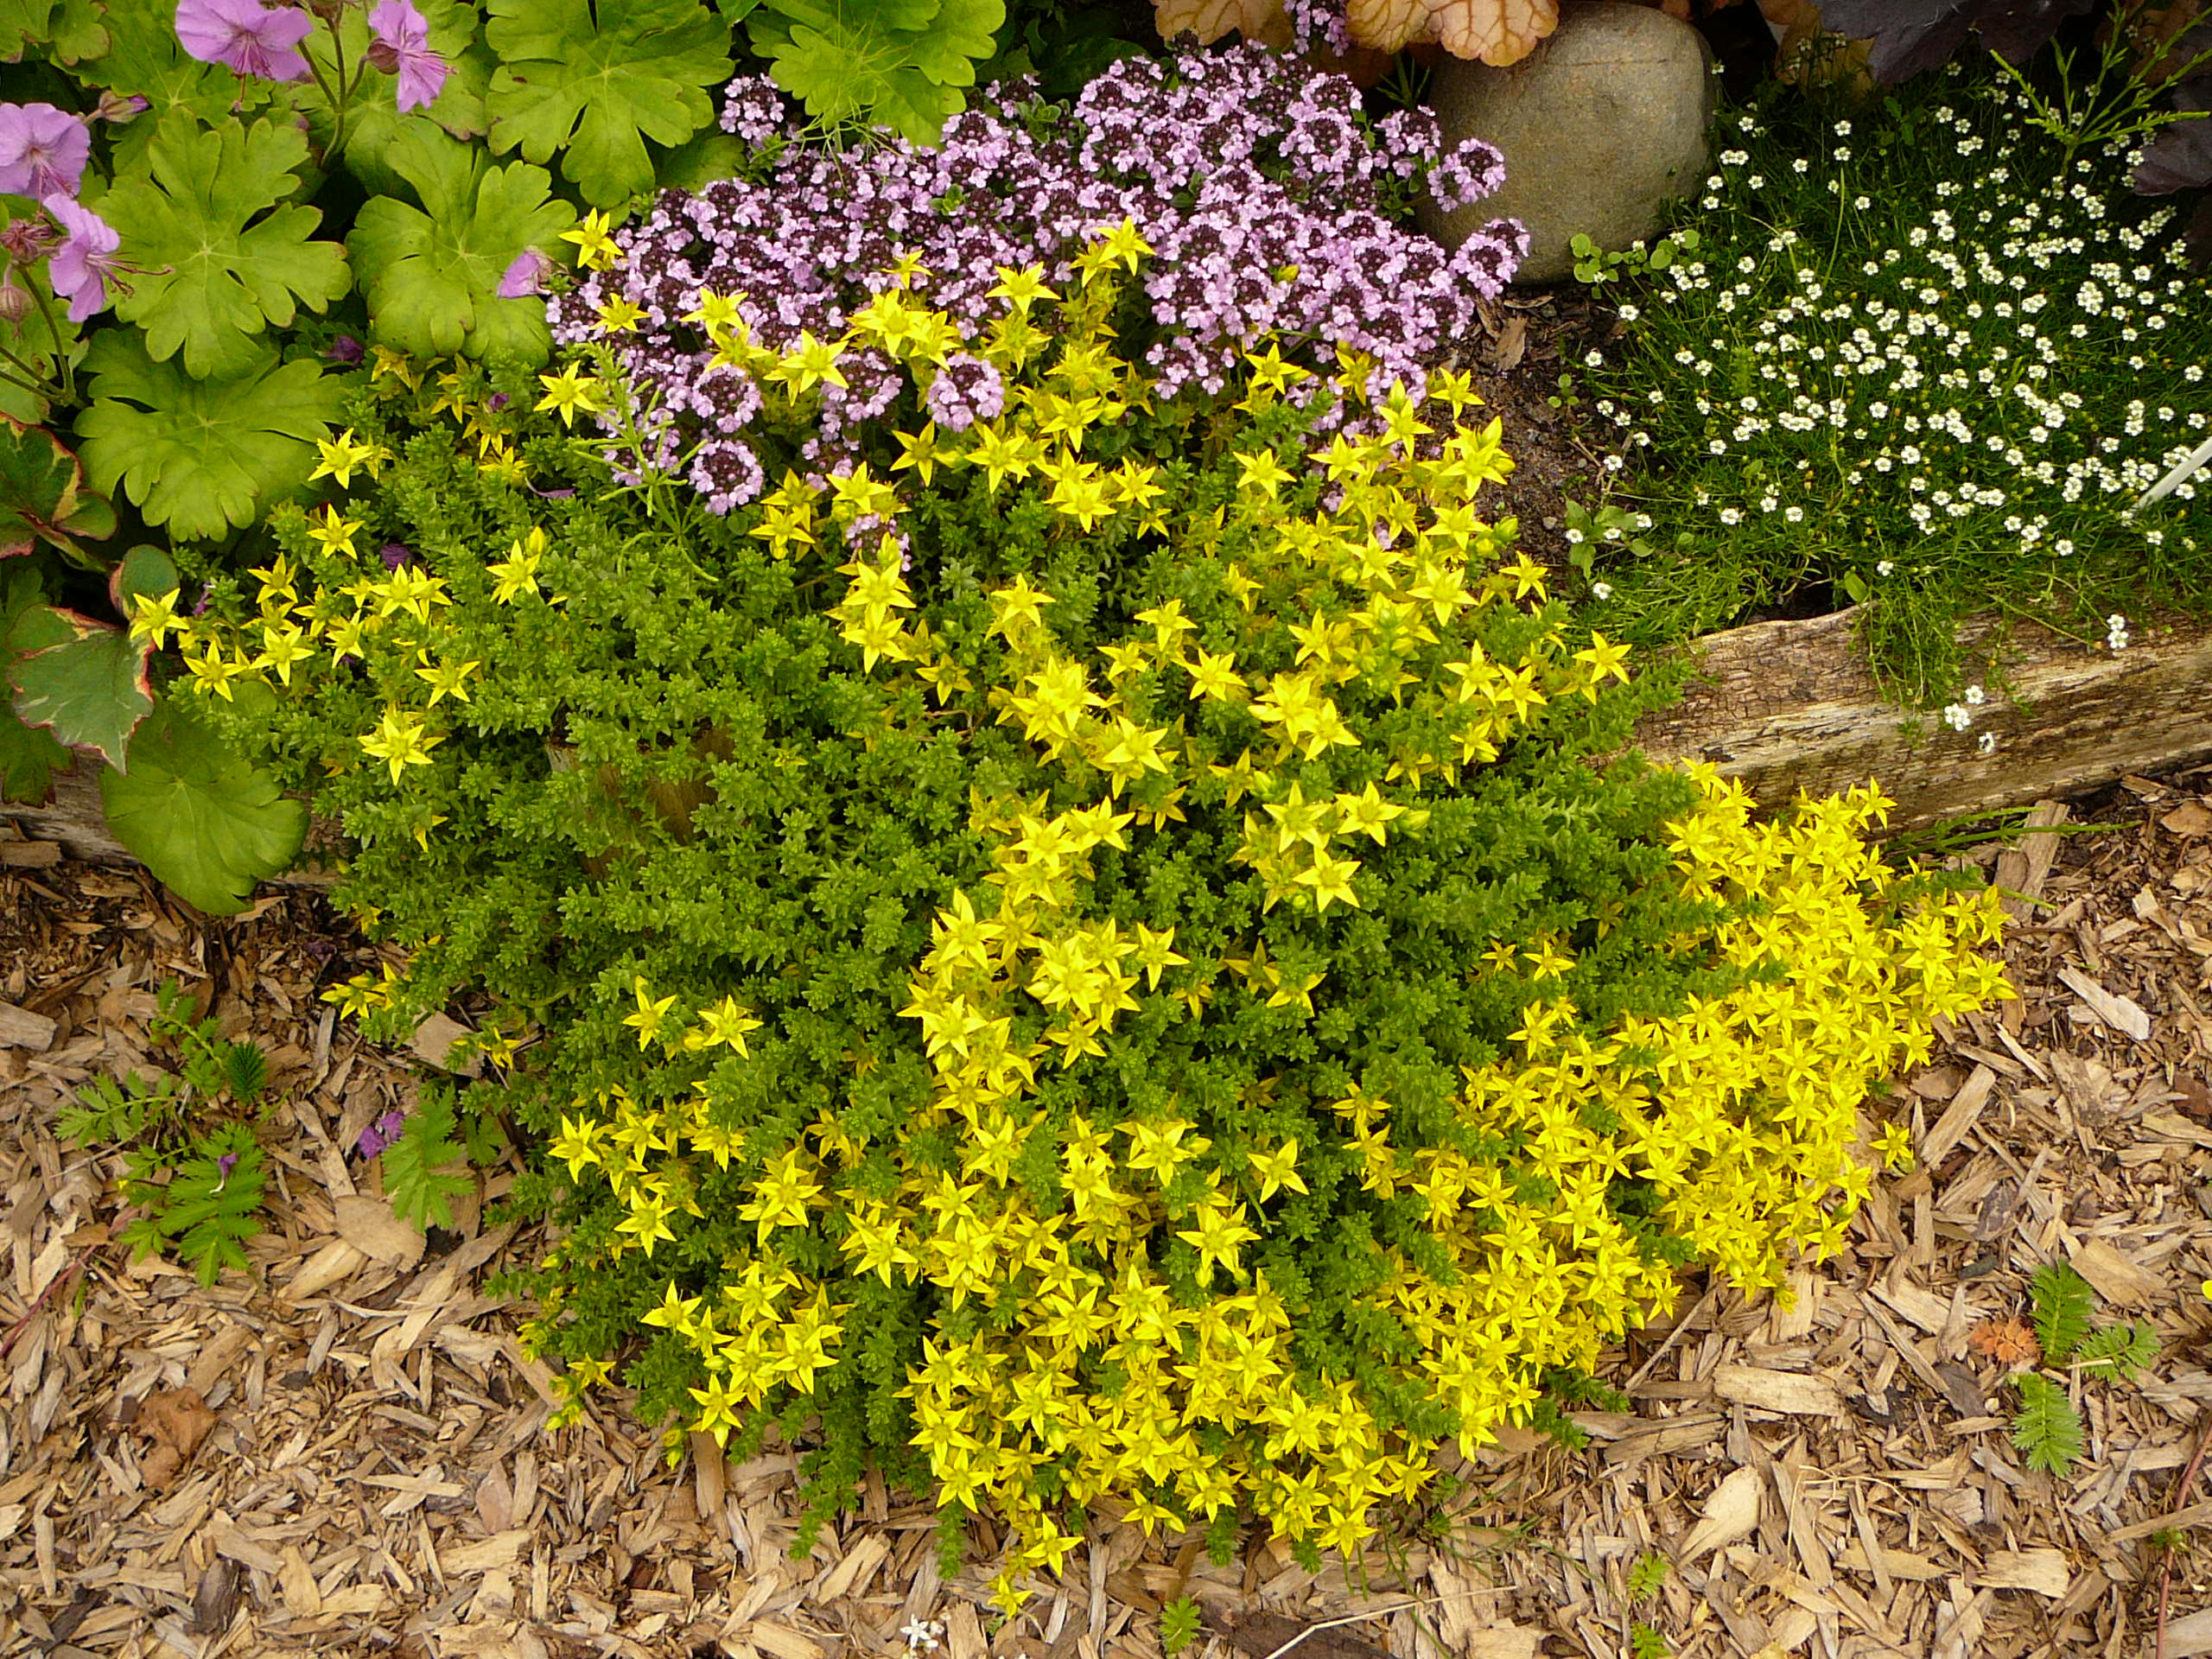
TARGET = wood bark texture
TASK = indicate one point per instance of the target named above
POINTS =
(1792, 706)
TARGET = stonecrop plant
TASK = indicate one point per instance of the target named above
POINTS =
(1093, 953)
(1920, 358)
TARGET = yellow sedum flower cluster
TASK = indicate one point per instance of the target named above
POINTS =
(1355, 645)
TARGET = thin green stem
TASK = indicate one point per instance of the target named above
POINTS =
(37, 389)
(60, 352)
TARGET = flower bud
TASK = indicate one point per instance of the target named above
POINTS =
(14, 300)
(116, 108)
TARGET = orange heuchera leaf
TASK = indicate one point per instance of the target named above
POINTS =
(1256, 20)
(1386, 25)
(2008, 1340)
(1493, 31)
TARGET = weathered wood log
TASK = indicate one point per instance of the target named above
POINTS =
(1786, 706)
(1793, 706)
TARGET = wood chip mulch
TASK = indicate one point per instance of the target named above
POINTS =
(343, 1451)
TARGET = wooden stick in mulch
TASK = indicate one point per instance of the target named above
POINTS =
(2166, 1568)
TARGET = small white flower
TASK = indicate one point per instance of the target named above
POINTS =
(1974, 696)
(1886, 568)
(923, 1634)
(1957, 716)
(1601, 590)
(1988, 743)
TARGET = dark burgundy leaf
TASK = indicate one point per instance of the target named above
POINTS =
(2017, 29)
(1909, 37)
(2180, 157)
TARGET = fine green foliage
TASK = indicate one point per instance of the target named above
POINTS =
(1645, 1642)
(204, 819)
(1179, 1624)
(901, 63)
(2062, 1303)
(202, 457)
(1647, 1577)
(1921, 359)
(43, 497)
(2046, 1426)
(224, 251)
(594, 82)
(29, 755)
(432, 268)
(193, 1168)
(1062, 950)
(83, 680)
(2119, 1350)
(417, 1177)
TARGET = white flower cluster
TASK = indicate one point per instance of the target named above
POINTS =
(2009, 370)
(922, 1634)
(1960, 715)
(2116, 635)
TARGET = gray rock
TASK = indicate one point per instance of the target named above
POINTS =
(1600, 126)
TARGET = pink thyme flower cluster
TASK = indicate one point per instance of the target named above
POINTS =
(1257, 180)
(1318, 25)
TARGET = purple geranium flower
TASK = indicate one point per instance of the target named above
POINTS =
(402, 47)
(526, 277)
(247, 36)
(84, 263)
(42, 151)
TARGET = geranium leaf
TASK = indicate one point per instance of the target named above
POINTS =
(42, 497)
(373, 120)
(432, 272)
(65, 31)
(28, 756)
(222, 258)
(897, 63)
(83, 680)
(144, 60)
(203, 819)
(595, 88)
(202, 456)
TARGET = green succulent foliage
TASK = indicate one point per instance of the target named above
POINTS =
(593, 84)
(2063, 1302)
(224, 253)
(144, 59)
(2046, 1427)
(202, 457)
(432, 268)
(29, 755)
(42, 495)
(65, 31)
(903, 64)
(417, 1174)
(83, 680)
(206, 822)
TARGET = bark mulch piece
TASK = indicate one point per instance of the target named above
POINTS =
(1835, 1476)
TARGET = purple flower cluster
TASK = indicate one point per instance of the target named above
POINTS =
(1254, 178)
(1319, 25)
(381, 1134)
(263, 41)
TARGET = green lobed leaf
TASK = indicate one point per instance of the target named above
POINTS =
(595, 87)
(2063, 1302)
(83, 680)
(432, 272)
(203, 456)
(223, 254)
(42, 498)
(144, 61)
(206, 822)
(2048, 1427)
(898, 63)
(28, 756)
(415, 1176)
(56, 31)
